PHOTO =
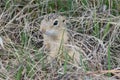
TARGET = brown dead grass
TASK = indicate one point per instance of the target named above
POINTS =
(22, 57)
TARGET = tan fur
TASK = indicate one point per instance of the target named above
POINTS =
(58, 39)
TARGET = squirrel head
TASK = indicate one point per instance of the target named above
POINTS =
(53, 24)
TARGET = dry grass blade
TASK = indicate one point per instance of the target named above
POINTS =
(93, 31)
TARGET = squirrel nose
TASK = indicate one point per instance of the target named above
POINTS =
(43, 30)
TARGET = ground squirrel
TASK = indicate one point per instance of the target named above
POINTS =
(53, 27)
(55, 33)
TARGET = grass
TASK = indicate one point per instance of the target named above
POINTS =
(22, 57)
(109, 59)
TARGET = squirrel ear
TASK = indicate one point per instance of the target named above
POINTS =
(64, 18)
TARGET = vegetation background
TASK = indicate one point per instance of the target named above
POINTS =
(22, 58)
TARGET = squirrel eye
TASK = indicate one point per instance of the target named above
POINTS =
(55, 23)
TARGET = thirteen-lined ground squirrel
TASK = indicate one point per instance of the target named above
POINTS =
(56, 39)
